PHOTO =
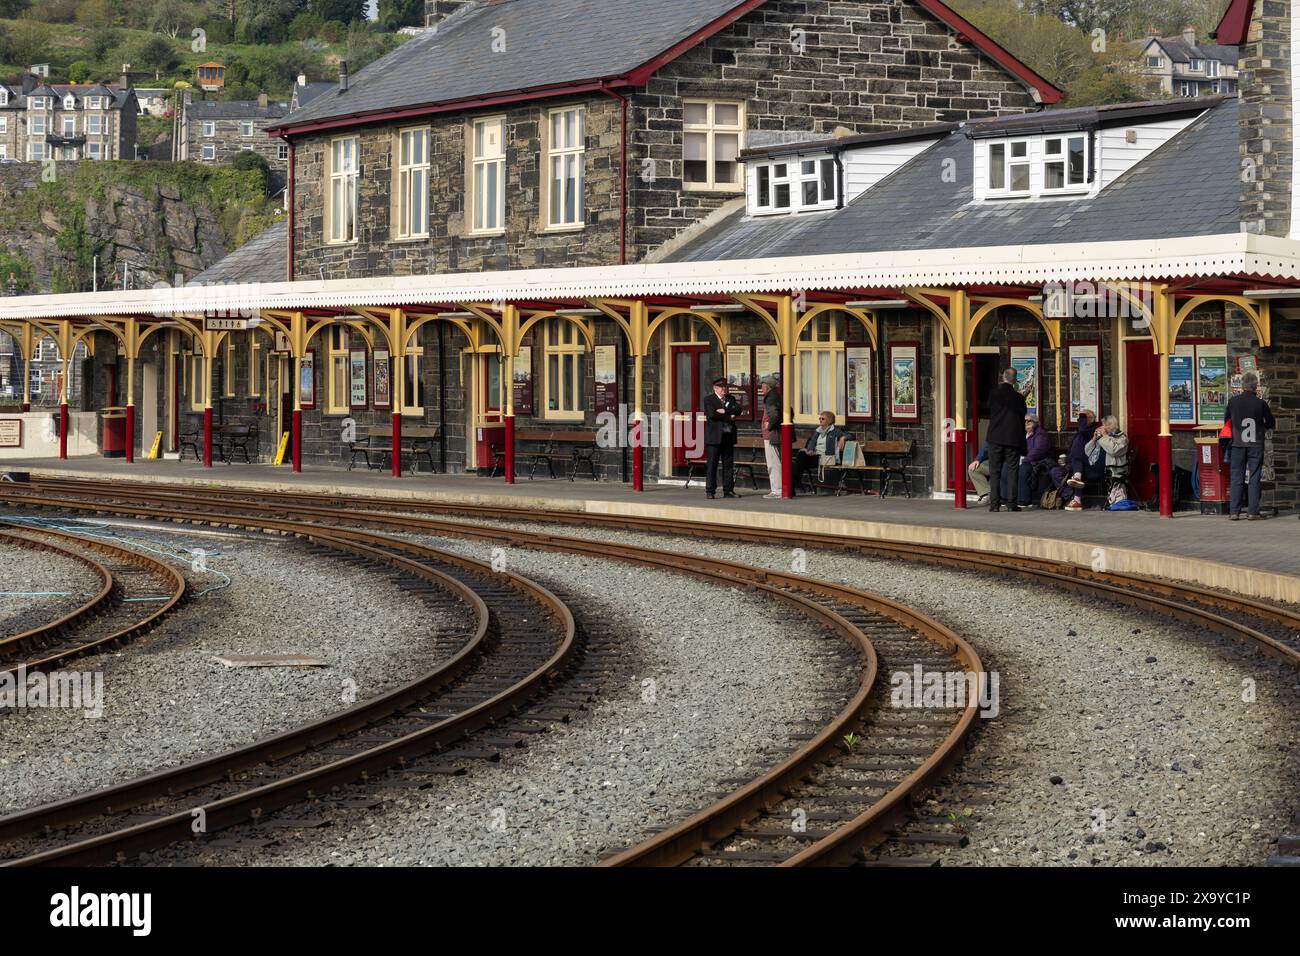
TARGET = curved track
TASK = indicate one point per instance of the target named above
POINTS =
(751, 824)
(136, 592)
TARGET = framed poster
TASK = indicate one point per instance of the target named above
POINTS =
(904, 398)
(1212, 382)
(523, 381)
(11, 433)
(1085, 378)
(1025, 360)
(307, 380)
(360, 392)
(607, 379)
(767, 361)
(740, 378)
(1182, 385)
(281, 342)
(861, 383)
(383, 380)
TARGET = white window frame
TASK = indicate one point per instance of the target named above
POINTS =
(412, 168)
(1212, 68)
(567, 151)
(282, 152)
(246, 127)
(37, 151)
(791, 175)
(209, 128)
(711, 129)
(1062, 158)
(4, 97)
(4, 124)
(94, 150)
(1195, 65)
(1186, 88)
(37, 126)
(4, 150)
(228, 366)
(254, 365)
(94, 102)
(483, 163)
(1007, 162)
(1155, 62)
(564, 363)
(412, 397)
(39, 102)
(69, 126)
(209, 151)
(69, 102)
(338, 370)
(34, 388)
(94, 125)
(819, 353)
(343, 185)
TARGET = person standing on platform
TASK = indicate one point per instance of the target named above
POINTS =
(772, 416)
(1250, 417)
(1006, 438)
(721, 412)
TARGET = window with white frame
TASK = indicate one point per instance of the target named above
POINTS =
(37, 151)
(282, 152)
(38, 103)
(342, 207)
(4, 150)
(1065, 163)
(35, 382)
(1186, 89)
(4, 96)
(228, 367)
(1196, 65)
(69, 126)
(337, 381)
(412, 183)
(413, 376)
(246, 148)
(566, 371)
(4, 124)
(209, 151)
(69, 102)
(1212, 67)
(254, 365)
(246, 128)
(209, 128)
(94, 150)
(1009, 168)
(712, 134)
(819, 371)
(1155, 61)
(94, 102)
(195, 381)
(566, 168)
(487, 199)
(95, 124)
(37, 126)
(798, 184)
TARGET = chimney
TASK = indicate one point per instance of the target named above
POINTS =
(302, 79)
(126, 76)
(437, 11)
(30, 82)
(261, 100)
(343, 76)
(1152, 33)
(1265, 124)
(1189, 35)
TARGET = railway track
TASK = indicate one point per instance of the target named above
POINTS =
(135, 593)
(753, 824)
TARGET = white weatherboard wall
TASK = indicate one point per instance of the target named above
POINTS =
(1116, 155)
(865, 167)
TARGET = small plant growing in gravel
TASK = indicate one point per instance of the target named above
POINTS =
(851, 741)
(958, 820)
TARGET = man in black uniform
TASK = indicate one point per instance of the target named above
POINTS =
(1006, 438)
(721, 412)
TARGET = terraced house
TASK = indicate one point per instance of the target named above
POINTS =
(40, 120)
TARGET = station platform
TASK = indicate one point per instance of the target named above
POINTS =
(1258, 559)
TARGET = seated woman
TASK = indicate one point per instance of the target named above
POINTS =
(1035, 463)
(826, 440)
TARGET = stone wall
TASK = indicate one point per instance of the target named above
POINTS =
(1266, 135)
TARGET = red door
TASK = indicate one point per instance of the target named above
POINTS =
(490, 429)
(1142, 392)
(693, 375)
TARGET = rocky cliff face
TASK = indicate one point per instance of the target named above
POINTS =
(163, 219)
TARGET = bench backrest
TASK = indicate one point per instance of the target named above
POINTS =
(578, 437)
(750, 441)
(877, 447)
(415, 432)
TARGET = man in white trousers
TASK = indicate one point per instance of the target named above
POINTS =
(772, 416)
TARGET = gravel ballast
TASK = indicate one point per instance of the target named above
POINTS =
(166, 700)
(729, 686)
(64, 585)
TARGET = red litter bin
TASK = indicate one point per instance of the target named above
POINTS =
(1212, 471)
(113, 444)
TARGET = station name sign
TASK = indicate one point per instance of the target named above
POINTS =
(226, 325)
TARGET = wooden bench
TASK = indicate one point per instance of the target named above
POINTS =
(581, 450)
(891, 461)
(417, 442)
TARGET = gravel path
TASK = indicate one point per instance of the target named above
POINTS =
(26, 570)
(729, 685)
(166, 700)
(1143, 721)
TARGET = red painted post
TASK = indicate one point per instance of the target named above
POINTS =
(130, 434)
(297, 439)
(207, 438)
(63, 430)
(959, 460)
(510, 449)
(397, 444)
(787, 461)
(1166, 443)
(638, 465)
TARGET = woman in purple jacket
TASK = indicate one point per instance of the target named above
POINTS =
(1037, 459)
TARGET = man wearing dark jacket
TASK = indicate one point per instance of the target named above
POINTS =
(720, 413)
(1038, 459)
(1250, 417)
(772, 415)
(1006, 438)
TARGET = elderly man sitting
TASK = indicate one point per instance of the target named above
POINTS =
(1109, 439)
(826, 440)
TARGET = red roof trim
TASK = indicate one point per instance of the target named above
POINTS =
(965, 31)
(986, 45)
(1235, 24)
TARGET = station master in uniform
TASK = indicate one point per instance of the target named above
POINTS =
(721, 412)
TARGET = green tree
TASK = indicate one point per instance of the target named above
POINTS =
(12, 9)
(394, 14)
(31, 42)
(155, 53)
(80, 71)
(342, 11)
(101, 40)
(248, 161)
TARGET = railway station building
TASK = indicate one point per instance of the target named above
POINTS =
(531, 222)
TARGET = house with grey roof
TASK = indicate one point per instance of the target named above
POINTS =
(67, 121)
(1185, 66)
(214, 132)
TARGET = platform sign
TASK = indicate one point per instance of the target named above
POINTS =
(1182, 387)
(155, 448)
(225, 325)
(767, 361)
(284, 445)
(11, 433)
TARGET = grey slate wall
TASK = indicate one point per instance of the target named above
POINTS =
(1266, 130)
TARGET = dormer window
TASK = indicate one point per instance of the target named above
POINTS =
(4, 97)
(1048, 165)
(94, 103)
(69, 102)
(1196, 66)
(798, 184)
(1009, 167)
(1065, 162)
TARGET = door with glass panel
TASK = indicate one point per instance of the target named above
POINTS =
(820, 374)
(489, 420)
(694, 367)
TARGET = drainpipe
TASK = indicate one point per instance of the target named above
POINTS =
(839, 179)
(622, 178)
(442, 395)
(292, 206)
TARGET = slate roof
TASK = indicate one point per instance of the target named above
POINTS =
(264, 258)
(1188, 187)
(234, 109)
(302, 95)
(1180, 51)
